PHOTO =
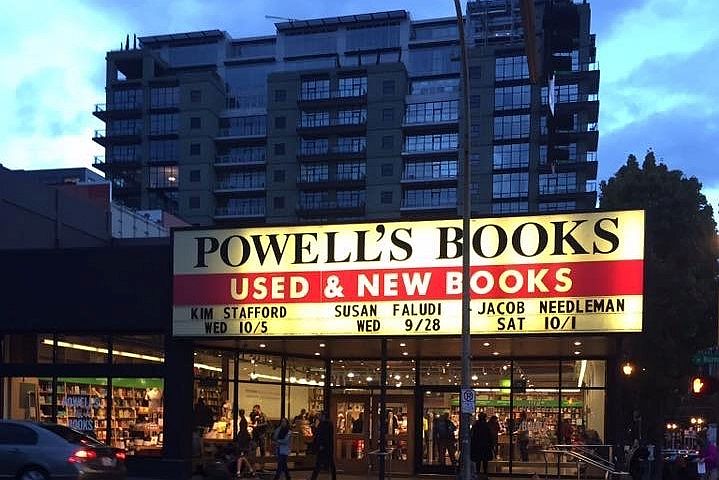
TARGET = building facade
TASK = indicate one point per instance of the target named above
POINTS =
(350, 117)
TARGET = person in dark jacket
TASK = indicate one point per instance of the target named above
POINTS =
(244, 467)
(324, 448)
(481, 445)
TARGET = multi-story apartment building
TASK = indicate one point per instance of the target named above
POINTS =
(349, 117)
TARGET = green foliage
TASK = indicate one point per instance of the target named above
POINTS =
(681, 278)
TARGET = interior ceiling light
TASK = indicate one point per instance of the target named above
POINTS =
(262, 345)
(577, 343)
(402, 344)
(322, 345)
(495, 353)
(486, 344)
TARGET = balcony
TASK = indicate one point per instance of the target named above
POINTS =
(429, 152)
(239, 160)
(233, 213)
(331, 208)
(587, 104)
(334, 125)
(117, 110)
(582, 192)
(335, 152)
(430, 204)
(333, 97)
(408, 178)
(586, 163)
(240, 133)
(118, 136)
(319, 182)
(433, 125)
(233, 186)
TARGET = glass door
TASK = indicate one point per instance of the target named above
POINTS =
(400, 431)
(350, 417)
(440, 430)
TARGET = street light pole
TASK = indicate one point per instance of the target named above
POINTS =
(466, 418)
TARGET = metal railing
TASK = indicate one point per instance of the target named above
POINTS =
(583, 455)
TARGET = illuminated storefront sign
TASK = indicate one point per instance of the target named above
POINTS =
(573, 272)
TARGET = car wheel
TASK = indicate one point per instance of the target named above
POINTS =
(33, 474)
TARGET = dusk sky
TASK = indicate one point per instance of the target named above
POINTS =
(658, 86)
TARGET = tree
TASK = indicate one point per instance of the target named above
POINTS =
(680, 314)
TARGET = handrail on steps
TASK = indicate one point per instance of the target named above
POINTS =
(581, 456)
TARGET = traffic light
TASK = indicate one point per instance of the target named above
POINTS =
(701, 385)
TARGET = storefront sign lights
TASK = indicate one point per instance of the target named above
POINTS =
(118, 353)
(556, 274)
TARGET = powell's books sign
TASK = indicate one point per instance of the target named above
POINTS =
(568, 273)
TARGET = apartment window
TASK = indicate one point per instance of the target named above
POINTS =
(352, 117)
(430, 87)
(557, 206)
(388, 142)
(388, 114)
(195, 122)
(437, 169)
(511, 126)
(430, 197)
(352, 86)
(278, 176)
(125, 127)
(164, 97)
(315, 89)
(164, 151)
(351, 171)
(279, 148)
(429, 143)
(514, 155)
(314, 173)
(314, 146)
(313, 199)
(244, 155)
(126, 153)
(558, 183)
(511, 98)
(254, 125)
(194, 203)
(387, 169)
(195, 96)
(278, 203)
(351, 198)
(164, 124)
(242, 180)
(433, 61)
(564, 93)
(280, 95)
(388, 87)
(126, 100)
(351, 144)
(163, 177)
(194, 175)
(314, 119)
(434, 32)
(510, 207)
(571, 152)
(386, 197)
(195, 149)
(430, 112)
(509, 185)
(280, 122)
(511, 68)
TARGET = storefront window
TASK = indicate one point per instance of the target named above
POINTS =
(213, 408)
(583, 373)
(261, 368)
(401, 374)
(211, 363)
(27, 348)
(82, 405)
(138, 349)
(440, 372)
(356, 373)
(25, 398)
(137, 415)
(81, 349)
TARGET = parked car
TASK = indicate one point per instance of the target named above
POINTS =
(42, 451)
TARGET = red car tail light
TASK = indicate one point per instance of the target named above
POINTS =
(120, 455)
(82, 455)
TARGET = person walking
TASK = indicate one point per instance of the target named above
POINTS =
(481, 445)
(523, 437)
(494, 429)
(324, 448)
(244, 467)
(259, 428)
(281, 437)
(445, 439)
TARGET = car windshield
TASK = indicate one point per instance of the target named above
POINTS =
(72, 436)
